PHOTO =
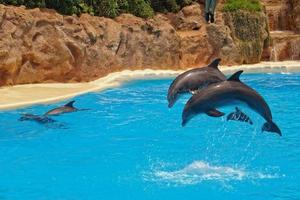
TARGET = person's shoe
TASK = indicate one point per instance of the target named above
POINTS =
(207, 17)
(212, 18)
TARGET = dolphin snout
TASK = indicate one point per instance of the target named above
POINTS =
(185, 117)
(172, 99)
(171, 103)
(183, 123)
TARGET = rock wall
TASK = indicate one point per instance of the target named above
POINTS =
(284, 23)
(39, 45)
(250, 33)
(295, 5)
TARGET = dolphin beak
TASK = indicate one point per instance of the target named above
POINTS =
(183, 123)
(171, 102)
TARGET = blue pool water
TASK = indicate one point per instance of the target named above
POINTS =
(129, 145)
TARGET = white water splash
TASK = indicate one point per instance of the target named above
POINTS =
(200, 171)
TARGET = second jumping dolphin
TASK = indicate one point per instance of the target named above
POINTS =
(193, 80)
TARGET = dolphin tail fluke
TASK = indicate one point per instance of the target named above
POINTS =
(271, 127)
(215, 63)
(70, 104)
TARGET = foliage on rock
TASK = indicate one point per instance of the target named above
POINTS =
(107, 8)
(249, 5)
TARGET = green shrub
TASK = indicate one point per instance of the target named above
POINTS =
(158, 5)
(107, 8)
(140, 8)
(172, 6)
(250, 5)
(169, 5)
(183, 3)
(27, 3)
(69, 7)
(123, 6)
(165, 6)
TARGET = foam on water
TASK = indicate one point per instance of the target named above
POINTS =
(199, 171)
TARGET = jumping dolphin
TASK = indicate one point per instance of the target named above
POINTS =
(193, 80)
(238, 115)
(63, 109)
(228, 92)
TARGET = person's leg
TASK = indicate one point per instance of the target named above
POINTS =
(207, 9)
(212, 8)
(207, 6)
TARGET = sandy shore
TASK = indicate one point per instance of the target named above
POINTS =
(25, 95)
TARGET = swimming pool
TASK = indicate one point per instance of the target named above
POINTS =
(129, 145)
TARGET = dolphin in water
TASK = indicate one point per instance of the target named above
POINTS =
(67, 108)
(226, 93)
(41, 119)
(238, 115)
(194, 80)
(46, 119)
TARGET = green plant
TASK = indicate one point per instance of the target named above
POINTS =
(69, 7)
(123, 6)
(183, 3)
(106, 8)
(172, 6)
(140, 8)
(27, 3)
(169, 5)
(249, 5)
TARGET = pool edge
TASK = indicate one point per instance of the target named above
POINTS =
(53, 92)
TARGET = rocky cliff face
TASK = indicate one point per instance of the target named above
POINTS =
(40, 45)
(284, 23)
(295, 6)
(250, 33)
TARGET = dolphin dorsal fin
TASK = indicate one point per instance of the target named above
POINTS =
(214, 63)
(235, 76)
(70, 104)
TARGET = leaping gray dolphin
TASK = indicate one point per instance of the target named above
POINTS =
(228, 92)
(67, 108)
(195, 79)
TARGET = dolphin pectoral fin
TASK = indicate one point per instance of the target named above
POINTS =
(215, 113)
(235, 76)
(271, 127)
(238, 115)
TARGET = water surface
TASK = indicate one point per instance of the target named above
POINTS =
(129, 145)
